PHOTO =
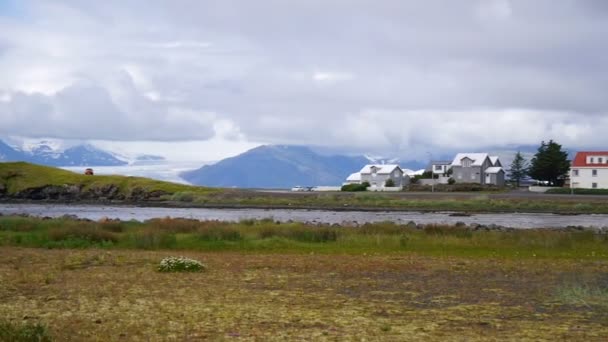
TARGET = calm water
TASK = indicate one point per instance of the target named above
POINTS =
(96, 212)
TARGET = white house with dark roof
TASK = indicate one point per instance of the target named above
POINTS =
(478, 168)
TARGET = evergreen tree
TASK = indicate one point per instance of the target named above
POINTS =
(519, 169)
(550, 163)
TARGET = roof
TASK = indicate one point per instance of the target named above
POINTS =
(493, 159)
(354, 177)
(477, 158)
(441, 162)
(494, 169)
(580, 160)
(381, 168)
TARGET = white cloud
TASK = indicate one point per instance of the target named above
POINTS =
(362, 76)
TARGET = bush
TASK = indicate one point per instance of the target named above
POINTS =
(355, 187)
(180, 264)
(183, 196)
(303, 234)
(153, 239)
(175, 225)
(23, 332)
(218, 233)
(389, 183)
(451, 181)
(83, 232)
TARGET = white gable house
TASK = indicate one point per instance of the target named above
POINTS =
(377, 175)
(478, 168)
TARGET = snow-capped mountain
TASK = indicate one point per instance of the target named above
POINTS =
(57, 153)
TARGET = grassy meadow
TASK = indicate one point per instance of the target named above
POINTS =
(70, 280)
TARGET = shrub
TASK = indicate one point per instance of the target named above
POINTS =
(180, 264)
(389, 183)
(451, 181)
(153, 239)
(23, 332)
(183, 196)
(84, 232)
(303, 234)
(355, 187)
(217, 233)
(175, 225)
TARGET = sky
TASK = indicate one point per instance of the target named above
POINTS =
(206, 79)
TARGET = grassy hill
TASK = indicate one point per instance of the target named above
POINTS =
(21, 178)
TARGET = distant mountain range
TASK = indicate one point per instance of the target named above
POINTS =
(277, 166)
(45, 153)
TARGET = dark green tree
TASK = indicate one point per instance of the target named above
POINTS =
(519, 169)
(550, 164)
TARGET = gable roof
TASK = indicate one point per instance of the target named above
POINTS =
(354, 177)
(477, 158)
(494, 160)
(580, 160)
(383, 169)
(494, 169)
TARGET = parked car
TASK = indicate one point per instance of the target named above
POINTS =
(298, 188)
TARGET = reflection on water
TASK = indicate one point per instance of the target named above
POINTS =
(96, 212)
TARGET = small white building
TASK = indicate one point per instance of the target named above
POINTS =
(378, 174)
(440, 167)
(589, 170)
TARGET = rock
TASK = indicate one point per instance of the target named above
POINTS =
(460, 224)
(411, 225)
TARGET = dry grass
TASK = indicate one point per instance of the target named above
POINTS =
(98, 295)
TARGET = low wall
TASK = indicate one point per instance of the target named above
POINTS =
(541, 189)
(386, 188)
(326, 188)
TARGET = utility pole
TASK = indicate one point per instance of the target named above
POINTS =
(432, 172)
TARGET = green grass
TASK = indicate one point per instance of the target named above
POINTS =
(270, 236)
(567, 191)
(20, 176)
(23, 332)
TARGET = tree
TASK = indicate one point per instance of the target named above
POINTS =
(519, 169)
(550, 163)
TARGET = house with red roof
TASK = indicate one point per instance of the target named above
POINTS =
(589, 170)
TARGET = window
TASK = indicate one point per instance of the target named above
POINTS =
(600, 160)
(472, 176)
(438, 168)
(594, 185)
(466, 162)
(594, 173)
(591, 160)
(574, 173)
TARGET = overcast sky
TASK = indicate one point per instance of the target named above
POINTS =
(386, 77)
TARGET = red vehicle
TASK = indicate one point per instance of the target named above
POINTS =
(88, 172)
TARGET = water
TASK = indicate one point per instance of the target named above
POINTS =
(96, 212)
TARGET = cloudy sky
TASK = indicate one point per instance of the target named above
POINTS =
(206, 79)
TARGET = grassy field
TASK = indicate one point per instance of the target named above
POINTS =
(117, 295)
(20, 176)
(267, 236)
(99, 281)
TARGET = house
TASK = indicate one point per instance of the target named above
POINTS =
(589, 170)
(377, 175)
(478, 168)
(439, 167)
(354, 178)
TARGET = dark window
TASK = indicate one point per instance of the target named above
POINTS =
(594, 173)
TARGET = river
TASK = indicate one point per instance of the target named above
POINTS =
(96, 212)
